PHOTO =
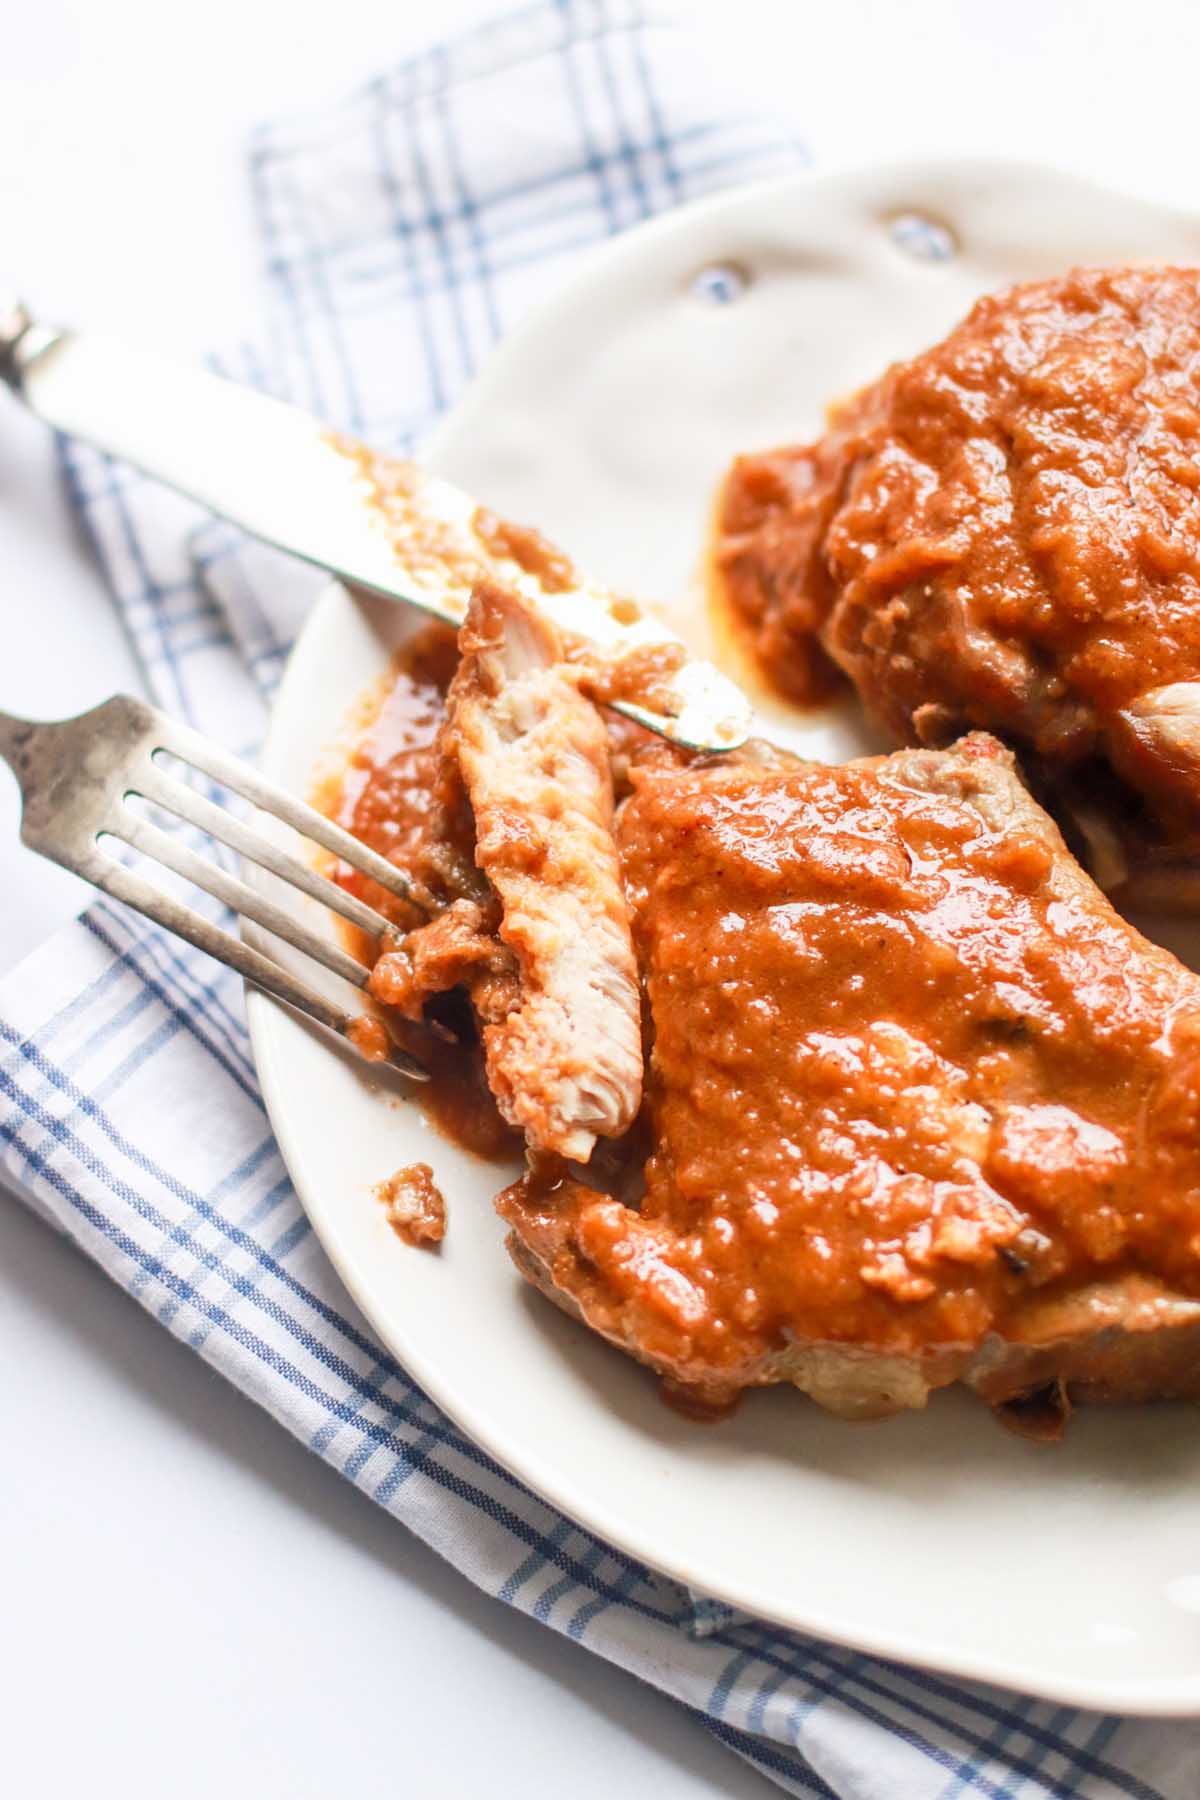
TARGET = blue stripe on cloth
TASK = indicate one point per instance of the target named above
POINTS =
(317, 1347)
(233, 1184)
(436, 223)
(403, 230)
(627, 149)
(549, 1598)
(481, 273)
(480, 209)
(577, 1625)
(873, 1678)
(253, 1221)
(799, 1779)
(231, 1051)
(359, 1458)
(420, 1456)
(660, 139)
(534, 1565)
(598, 165)
(406, 234)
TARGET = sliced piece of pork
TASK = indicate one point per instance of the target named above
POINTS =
(564, 1054)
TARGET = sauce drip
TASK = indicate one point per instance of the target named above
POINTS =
(398, 794)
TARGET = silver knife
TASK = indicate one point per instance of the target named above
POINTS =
(285, 478)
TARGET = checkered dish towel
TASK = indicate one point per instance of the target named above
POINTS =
(403, 231)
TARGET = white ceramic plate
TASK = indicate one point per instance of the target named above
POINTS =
(1072, 1572)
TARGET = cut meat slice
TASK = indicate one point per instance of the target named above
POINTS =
(923, 1107)
(560, 1004)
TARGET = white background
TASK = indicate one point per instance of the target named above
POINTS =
(191, 1603)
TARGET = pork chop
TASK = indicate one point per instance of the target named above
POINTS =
(1005, 533)
(923, 1108)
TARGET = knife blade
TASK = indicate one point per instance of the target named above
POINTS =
(284, 477)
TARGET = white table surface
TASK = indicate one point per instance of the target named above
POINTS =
(191, 1602)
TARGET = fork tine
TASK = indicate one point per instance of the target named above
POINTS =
(74, 775)
(210, 759)
(163, 909)
(141, 835)
(174, 796)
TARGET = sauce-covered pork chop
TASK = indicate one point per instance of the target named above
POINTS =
(922, 1107)
(1005, 532)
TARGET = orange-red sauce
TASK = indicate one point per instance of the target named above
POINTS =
(897, 1086)
(1003, 532)
(369, 1037)
(398, 795)
(551, 567)
(394, 790)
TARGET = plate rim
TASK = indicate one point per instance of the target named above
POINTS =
(1164, 1699)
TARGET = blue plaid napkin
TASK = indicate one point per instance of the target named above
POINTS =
(403, 231)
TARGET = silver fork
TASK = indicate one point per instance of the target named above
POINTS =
(77, 778)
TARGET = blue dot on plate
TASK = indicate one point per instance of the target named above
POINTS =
(922, 238)
(720, 284)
